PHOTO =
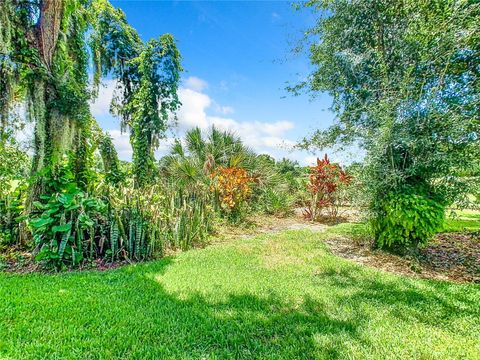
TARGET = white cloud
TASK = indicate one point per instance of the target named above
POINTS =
(195, 83)
(192, 112)
(263, 137)
(257, 135)
(101, 105)
(164, 147)
(122, 143)
(224, 110)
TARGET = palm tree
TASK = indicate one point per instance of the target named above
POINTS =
(200, 154)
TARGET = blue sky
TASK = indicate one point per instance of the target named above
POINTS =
(237, 61)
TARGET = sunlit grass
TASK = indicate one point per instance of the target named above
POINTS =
(271, 297)
(463, 220)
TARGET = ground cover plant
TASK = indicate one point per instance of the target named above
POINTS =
(273, 296)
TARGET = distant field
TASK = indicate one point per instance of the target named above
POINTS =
(463, 220)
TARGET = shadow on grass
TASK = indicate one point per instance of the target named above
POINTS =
(126, 313)
(408, 299)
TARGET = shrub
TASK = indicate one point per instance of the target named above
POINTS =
(120, 223)
(65, 229)
(232, 188)
(406, 220)
(11, 208)
(151, 220)
(325, 183)
(277, 202)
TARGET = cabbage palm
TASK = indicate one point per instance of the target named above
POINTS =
(200, 154)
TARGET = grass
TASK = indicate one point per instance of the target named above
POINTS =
(278, 296)
(463, 220)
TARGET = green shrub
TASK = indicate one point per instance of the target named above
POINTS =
(65, 228)
(11, 208)
(406, 220)
(147, 221)
(277, 202)
(120, 222)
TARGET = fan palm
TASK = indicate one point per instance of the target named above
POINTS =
(201, 153)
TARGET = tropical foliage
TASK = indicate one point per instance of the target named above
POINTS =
(408, 220)
(68, 223)
(232, 187)
(76, 206)
(404, 77)
(326, 182)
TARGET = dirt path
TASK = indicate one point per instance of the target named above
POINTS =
(263, 224)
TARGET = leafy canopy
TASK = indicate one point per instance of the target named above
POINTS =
(404, 77)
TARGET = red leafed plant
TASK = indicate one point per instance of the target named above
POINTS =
(324, 185)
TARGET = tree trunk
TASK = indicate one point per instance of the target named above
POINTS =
(49, 124)
(48, 29)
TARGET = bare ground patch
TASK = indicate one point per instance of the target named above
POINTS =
(453, 257)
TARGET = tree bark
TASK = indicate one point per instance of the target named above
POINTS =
(48, 29)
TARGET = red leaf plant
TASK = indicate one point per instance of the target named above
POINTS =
(324, 185)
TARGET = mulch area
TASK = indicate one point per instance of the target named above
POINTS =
(450, 256)
(23, 263)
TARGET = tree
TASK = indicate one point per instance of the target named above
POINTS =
(202, 153)
(44, 61)
(147, 82)
(404, 77)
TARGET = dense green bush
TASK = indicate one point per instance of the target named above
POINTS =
(117, 222)
(242, 181)
(406, 220)
(11, 212)
(68, 221)
(404, 94)
(146, 222)
(14, 168)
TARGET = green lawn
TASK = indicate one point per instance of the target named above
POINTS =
(271, 297)
(465, 220)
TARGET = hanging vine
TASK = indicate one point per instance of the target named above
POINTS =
(152, 103)
(45, 48)
(147, 82)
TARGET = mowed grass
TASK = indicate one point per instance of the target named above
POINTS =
(278, 296)
(464, 220)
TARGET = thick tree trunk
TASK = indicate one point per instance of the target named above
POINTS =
(48, 29)
(49, 125)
